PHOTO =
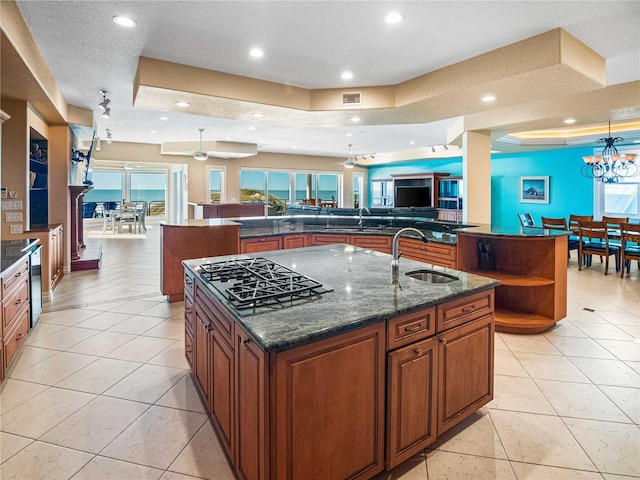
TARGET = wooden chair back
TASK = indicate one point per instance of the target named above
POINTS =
(526, 220)
(554, 223)
(630, 246)
(575, 219)
(614, 222)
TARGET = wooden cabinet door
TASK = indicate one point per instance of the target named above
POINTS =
(262, 244)
(201, 368)
(465, 377)
(222, 395)
(328, 238)
(379, 243)
(295, 241)
(331, 394)
(411, 400)
(251, 404)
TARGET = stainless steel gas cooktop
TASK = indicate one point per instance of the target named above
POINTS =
(256, 284)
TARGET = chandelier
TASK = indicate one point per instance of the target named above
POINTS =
(610, 166)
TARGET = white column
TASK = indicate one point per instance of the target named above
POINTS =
(476, 175)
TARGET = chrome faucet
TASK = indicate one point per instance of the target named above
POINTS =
(360, 219)
(395, 263)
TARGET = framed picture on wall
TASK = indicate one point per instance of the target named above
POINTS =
(534, 189)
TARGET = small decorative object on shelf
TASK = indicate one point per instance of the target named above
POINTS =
(486, 256)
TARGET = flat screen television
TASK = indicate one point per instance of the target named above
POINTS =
(412, 197)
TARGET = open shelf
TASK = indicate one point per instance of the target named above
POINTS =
(509, 321)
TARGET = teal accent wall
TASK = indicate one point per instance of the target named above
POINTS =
(570, 192)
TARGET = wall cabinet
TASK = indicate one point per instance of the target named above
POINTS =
(449, 200)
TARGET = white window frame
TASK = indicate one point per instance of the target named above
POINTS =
(223, 181)
(599, 192)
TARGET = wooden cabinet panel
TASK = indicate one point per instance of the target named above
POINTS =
(15, 274)
(189, 315)
(188, 347)
(251, 407)
(463, 310)
(56, 255)
(14, 300)
(410, 328)
(465, 371)
(331, 393)
(222, 396)
(434, 253)
(229, 210)
(15, 336)
(380, 243)
(202, 350)
(328, 238)
(297, 240)
(262, 244)
(411, 400)
(214, 313)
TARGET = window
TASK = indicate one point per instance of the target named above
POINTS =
(382, 193)
(252, 185)
(620, 199)
(328, 187)
(305, 186)
(107, 187)
(278, 191)
(150, 187)
(358, 181)
(216, 183)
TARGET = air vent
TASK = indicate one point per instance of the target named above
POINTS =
(353, 98)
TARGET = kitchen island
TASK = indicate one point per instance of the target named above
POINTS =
(345, 383)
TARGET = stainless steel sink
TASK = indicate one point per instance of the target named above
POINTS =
(431, 276)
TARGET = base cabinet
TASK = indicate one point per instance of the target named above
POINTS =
(345, 407)
(434, 253)
(261, 244)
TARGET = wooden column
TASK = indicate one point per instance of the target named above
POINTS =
(77, 227)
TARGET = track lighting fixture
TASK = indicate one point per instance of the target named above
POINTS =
(107, 113)
(104, 104)
(108, 136)
(446, 147)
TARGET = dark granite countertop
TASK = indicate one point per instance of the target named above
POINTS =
(13, 251)
(362, 293)
(510, 231)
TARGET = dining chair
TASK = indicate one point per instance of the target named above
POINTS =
(128, 216)
(560, 224)
(141, 208)
(526, 220)
(593, 239)
(630, 246)
(575, 219)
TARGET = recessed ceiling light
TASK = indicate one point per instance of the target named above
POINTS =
(163, 118)
(488, 98)
(412, 142)
(293, 147)
(570, 121)
(153, 131)
(257, 115)
(181, 104)
(256, 52)
(393, 17)
(355, 119)
(346, 75)
(124, 21)
(349, 134)
(252, 128)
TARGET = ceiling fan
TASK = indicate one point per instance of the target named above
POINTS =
(350, 162)
(200, 155)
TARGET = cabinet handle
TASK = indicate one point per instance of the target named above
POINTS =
(188, 350)
(189, 282)
(188, 310)
(19, 337)
(417, 351)
(17, 275)
(246, 340)
(209, 327)
(468, 309)
(442, 340)
(415, 328)
(18, 301)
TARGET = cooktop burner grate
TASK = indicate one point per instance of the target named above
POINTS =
(255, 283)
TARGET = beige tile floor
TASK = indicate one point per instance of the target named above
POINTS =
(101, 388)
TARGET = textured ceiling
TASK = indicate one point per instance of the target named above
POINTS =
(307, 44)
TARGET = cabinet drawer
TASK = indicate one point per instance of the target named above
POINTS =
(327, 239)
(410, 328)
(264, 244)
(216, 315)
(188, 314)
(295, 241)
(14, 300)
(17, 273)
(434, 253)
(464, 310)
(16, 336)
(188, 347)
(379, 243)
